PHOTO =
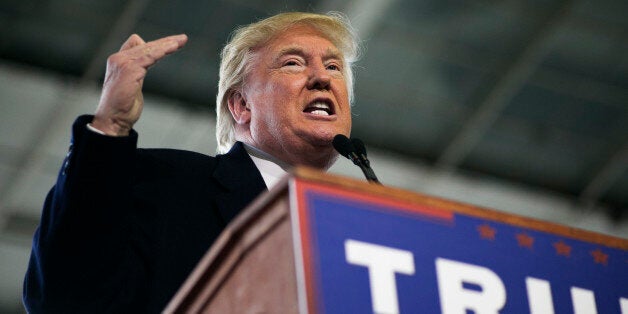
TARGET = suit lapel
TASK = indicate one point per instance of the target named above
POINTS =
(242, 181)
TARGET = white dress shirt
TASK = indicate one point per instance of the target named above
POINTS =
(271, 168)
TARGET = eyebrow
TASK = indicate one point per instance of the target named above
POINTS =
(330, 53)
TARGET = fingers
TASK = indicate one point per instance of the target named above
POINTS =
(136, 56)
(153, 51)
(158, 48)
(121, 101)
(134, 40)
(145, 54)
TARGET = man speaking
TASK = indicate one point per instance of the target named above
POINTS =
(123, 227)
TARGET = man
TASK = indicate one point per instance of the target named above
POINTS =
(123, 227)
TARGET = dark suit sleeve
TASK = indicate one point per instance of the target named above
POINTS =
(83, 254)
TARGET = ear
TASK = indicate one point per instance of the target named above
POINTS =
(239, 108)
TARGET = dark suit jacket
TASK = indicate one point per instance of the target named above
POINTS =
(123, 227)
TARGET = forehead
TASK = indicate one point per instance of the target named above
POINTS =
(300, 37)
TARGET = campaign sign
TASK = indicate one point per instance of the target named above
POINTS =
(371, 254)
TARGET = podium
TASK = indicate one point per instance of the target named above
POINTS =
(318, 243)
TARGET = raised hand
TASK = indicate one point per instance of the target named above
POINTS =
(121, 100)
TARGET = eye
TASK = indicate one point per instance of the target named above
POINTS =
(291, 62)
(333, 67)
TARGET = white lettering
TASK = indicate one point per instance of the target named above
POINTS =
(382, 263)
(583, 301)
(623, 303)
(539, 296)
(455, 299)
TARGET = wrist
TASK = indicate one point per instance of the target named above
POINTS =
(109, 127)
(95, 130)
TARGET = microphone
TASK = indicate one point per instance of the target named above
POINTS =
(355, 151)
(361, 151)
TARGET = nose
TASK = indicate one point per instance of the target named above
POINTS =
(319, 78)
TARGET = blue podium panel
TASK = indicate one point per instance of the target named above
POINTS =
(366, 254)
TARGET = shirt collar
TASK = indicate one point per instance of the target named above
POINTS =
(271, 168)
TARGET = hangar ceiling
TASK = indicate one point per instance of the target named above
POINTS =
(533, 91)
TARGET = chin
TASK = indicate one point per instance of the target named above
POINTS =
(322, 141)
(324, 137)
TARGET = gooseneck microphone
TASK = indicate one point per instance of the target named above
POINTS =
(361, 151)
(355, 151)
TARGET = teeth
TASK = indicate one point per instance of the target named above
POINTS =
(320, 105)
(320, 112)
(319, 108)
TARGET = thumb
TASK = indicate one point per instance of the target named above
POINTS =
(132, 41)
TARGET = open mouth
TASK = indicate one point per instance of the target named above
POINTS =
(320, 108)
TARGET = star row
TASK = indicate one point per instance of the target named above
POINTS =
(524, 240)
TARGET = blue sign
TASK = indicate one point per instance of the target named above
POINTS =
(365, 254)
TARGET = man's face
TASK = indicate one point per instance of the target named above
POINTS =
(297, 95)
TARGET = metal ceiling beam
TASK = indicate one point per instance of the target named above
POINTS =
(511, 81)
(365, 15)
(580, 87)
(554, 80)
(603, 180)
(121, 29)
(591, 90)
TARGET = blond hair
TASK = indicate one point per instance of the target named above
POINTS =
(237, 54)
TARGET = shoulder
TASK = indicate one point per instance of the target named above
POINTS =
(175, 161)
(173, 155)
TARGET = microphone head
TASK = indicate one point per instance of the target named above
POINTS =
(359, 146)
(343, 145)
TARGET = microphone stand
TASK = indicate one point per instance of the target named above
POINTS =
(355, 151)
